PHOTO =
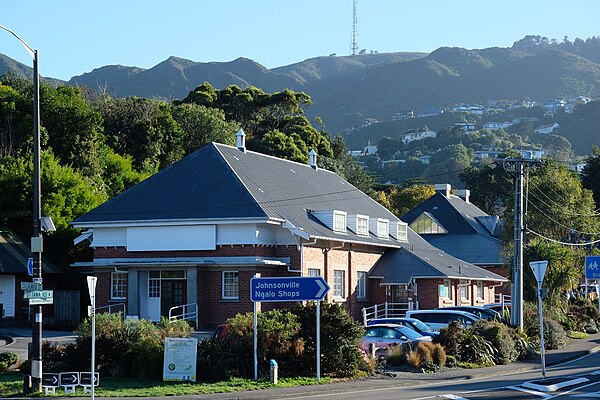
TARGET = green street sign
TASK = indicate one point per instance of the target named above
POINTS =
(39, 294)
(31, 286)
(40, 301)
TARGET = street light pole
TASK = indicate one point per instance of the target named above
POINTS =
(36, 237)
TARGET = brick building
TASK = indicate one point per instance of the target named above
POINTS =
(199, 230)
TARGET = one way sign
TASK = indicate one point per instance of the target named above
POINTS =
(69, 378)
(50, 379)
(85, 378)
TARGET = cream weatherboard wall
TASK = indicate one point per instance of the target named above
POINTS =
(7, 295)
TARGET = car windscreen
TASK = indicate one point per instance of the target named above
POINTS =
(409, 333)
(420, 325)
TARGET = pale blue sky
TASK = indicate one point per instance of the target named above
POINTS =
(74, 37)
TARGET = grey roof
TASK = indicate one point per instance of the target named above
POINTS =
(14, 254)
(220, 181)
(161, 261)
(468, 238)
(419, 259)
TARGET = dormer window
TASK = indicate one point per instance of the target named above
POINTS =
(427, 224)
(383, 228)
(339, 221)
(362, 225)
(402, 231)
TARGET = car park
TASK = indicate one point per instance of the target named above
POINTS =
(481, 312)
(383, 336)
(498, 307)
(437, 319)
(412, 323)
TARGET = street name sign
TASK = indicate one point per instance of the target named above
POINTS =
(592, 267)
(292, 288)
(40, 301)
(39, 294)
(31, 286)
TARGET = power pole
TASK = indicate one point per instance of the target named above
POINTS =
(354, 43)
(519, 165)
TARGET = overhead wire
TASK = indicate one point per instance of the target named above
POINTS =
(558, 223)
(561, 242)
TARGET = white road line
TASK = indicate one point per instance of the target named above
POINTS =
(453, 396)
(540, 394)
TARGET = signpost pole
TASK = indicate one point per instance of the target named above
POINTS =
(318, 341)
(91, 280)
(255, 342)
(543, 354)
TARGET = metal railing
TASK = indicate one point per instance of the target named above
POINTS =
(387, 310)
(186, 312)
(502, 298)
(113, 309)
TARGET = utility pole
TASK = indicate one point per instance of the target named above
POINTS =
(519, 165)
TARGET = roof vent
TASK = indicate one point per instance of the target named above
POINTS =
(443, 188)
(312, 159)
(241, 140)
(464, 194)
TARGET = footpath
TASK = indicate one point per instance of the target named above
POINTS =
(575, 349)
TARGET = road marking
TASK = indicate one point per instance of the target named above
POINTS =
(554, 387)
(520, 389)
(453, 396)
(587, 395)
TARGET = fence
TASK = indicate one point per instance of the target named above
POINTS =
(387, 310)
(186, 312)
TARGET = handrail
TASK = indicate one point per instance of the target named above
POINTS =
(110, 307)
(184, 312)
(386, 310)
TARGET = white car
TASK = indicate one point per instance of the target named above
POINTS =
(385, 335)
(437, 319)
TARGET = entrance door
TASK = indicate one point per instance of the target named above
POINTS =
(172, 295)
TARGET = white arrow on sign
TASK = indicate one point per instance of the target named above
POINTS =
(322, 289)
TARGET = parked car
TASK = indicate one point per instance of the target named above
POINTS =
(412, 323)
(385, 335)
(437, 319)
(220, 333)
(498, 307)
(481, 312)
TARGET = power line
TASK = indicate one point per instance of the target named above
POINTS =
(560, 242)
(560, 205)
(558, 223)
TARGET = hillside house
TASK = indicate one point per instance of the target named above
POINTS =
(494, 126)
(196, 232)
(402, 115)
(547, 129)
(410, 137)
(430, 112)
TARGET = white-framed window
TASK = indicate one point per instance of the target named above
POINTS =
(465, 290)
(383, 228)
(338, 283)
(362, 225)
(402, 231)
(231, 285)
(118, 285)
(339, 221)
(444, 290)
(361, 286)
(427, 224)
(154, 284)
(480, 290)
(314, 272)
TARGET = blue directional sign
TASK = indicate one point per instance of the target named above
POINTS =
(592, 267)
(292, 288)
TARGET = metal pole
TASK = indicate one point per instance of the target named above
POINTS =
(318, 341)
(93, 343)
(543, 354)
(36, 335)
(517, 295)
(255, 343)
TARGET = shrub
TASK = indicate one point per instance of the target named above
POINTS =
(219, 360)
(476, 349)
(555, 336)
(451, 361)
(425, 349)
(450, 337)
(6, 360)
(585, 315)
(438, 355)
(395, 355)
(501, 338)
(414, 359)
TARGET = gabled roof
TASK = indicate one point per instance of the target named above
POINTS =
(14, 254)
(468, 238)
(419, 259)
(221, 182)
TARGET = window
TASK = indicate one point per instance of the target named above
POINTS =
(361, 287)
(480, 290)
(427, 224)
(383, 228)
(402, 231)
(338, 283)
(231, 285)
(362, 225)
(445, 290)
(314, 272)
(465, 290)
(339, 221)
(154, 284)
(118, 285)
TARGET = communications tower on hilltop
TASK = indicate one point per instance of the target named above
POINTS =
(354, 43)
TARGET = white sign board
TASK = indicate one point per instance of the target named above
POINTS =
(539, 270)
(180, 359)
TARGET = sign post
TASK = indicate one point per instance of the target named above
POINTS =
(592, 271)
(539, 270)
(91, 281)
(284, 289)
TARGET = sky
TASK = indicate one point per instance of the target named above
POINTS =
(75, 37)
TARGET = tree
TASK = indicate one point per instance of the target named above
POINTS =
(401, 200)
(118, 173)
(16, 124)
(491, 187)
(590, 176)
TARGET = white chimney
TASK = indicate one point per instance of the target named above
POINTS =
(241, 140)
(312, 159)
(464, 194)
(443, 188)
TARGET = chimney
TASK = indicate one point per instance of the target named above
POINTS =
(443, 188)
(464, 194)
(241, 140)
(312, 159)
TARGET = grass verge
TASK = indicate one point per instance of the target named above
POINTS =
(11, 385)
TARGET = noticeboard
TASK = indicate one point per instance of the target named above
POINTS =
(180, 359)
